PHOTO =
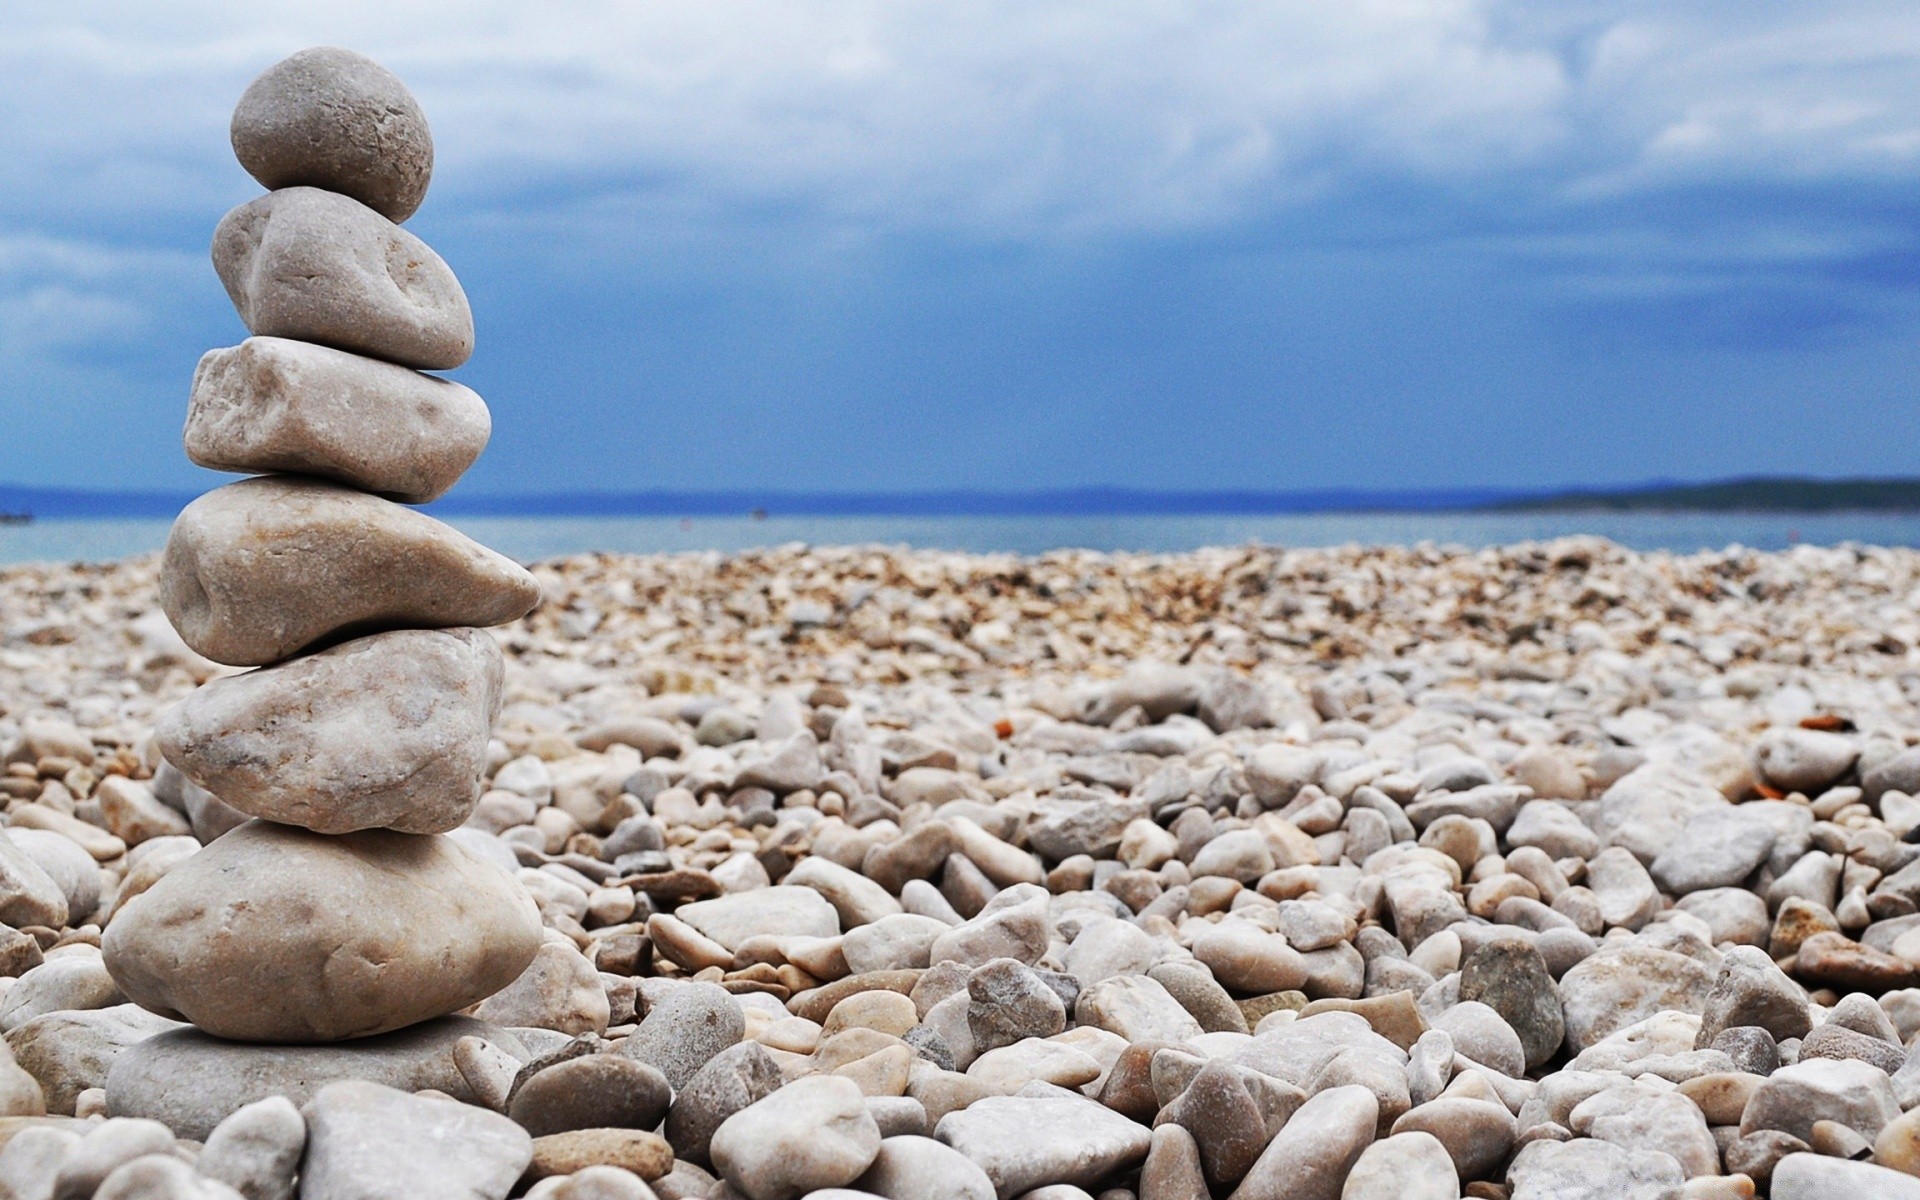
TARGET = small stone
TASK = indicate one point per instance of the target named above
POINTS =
(256, 571)
(160, 1177)
(32, 1158)
(1750, 1047)
(730, 1081)
(1246, 958)
(1804, 760)
(1013, 924)
(1833, 960)
(1137, 1008)
(1837, 1041)
(682, 1032)
(1619, 986)
(559, 990)
(1625, 890)
(880, 1010)
(256, 1151)
(28, 895)
(1718, 848)
(1511, 978)
(902, 941)
(70, 980)
(594, 1091)
(1850, 1092)
(1008, 1002)
(316, 266)
(1477, 1133)
(134, 815)
(1751, 990)
(1667, 1123)
(856, 899)
(919, 1168)
(1172, 1170)
(274, 405)
(1226, 1122)
(68, 1052)
(400, 928)
(382, 732)
(1312, 1155)
(102, 1149)
(814, 1133)
(330, 118)
(645, 1155)
(1479, 1033)
(765, 912)
(1817, 1177)
(1590, 1169)
(368, 1141)
(1406, 1166)
(1024, 1142)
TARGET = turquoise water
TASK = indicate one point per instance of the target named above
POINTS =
(532, 538)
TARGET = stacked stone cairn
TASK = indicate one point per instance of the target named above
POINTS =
(337, 907)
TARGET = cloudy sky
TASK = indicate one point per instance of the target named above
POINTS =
(845, 245)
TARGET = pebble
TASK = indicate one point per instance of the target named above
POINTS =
(1025, 1142)
(256, 1151)
(731, 1080)
(313, 266)
(1405, 1166)
(1817, 1177)
(330, 118)
(275, 405)
(814, 1133)
(401, 928)
(639, 1153)
(1311, 1156)
(259, 570)
(381, 732)
(685, 1030)
(597, 1090)
(366, 1141)
(919, 1168)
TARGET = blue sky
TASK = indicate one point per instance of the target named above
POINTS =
(827, 244)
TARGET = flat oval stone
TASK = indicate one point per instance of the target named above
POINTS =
(319, 267)
(331, 118)
(382, 732)
(277, 934)
(271, 404)
(260, 570)
(190, 1081)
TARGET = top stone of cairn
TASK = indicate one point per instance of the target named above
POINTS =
(329, 118)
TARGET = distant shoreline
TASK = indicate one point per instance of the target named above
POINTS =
(1755, 495)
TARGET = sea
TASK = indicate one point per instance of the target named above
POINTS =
(530, 539)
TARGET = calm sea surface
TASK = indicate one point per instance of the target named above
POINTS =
(544, 537)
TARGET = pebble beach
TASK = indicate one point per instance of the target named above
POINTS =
(1554, 871)
(345, 858)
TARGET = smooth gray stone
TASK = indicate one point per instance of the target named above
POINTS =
(331, 118)
(271, 404)
(69, 1051)
(366, 1141)
(260, 570)
(382, 732)
(191, 1081)
(1818, 1177)
(319, 267)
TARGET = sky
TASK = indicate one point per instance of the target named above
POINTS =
(849, 246)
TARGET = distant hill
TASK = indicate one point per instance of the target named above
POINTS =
(1758, 494)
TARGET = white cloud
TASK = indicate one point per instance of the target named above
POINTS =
(1001, 117)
